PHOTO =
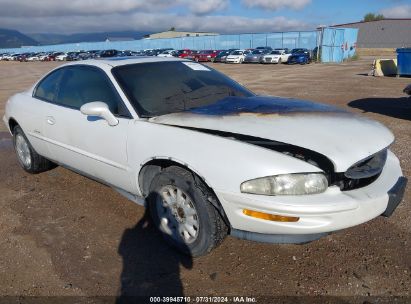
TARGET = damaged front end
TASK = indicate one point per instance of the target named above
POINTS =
(350, 150)
(359, 175)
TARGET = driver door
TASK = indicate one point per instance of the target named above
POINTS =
(84, 143)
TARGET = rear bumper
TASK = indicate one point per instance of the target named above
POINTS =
(320, 213)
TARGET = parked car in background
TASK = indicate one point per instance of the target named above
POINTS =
(192, 55)
(221, 56)
(9, 57)
(23, 57)
(256, 56)
(72, 56)
(167, 53)
(298, 169)
(276, 56)
(236, 57)
(43, 56)
(205, 55)
(61, 57)
(3, 56)
(299, 56)
(34, 57)
(52, 56)
(94, 53)
(266, 49)
(183, 53)
(108, 53)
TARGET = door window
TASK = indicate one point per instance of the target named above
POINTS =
(81, 85)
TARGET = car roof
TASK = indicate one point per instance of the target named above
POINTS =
(119, 61)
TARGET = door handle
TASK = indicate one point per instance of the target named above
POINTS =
(51, 120)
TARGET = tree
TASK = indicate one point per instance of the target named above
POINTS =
(373, 17)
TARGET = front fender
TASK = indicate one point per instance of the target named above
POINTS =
(223, 163)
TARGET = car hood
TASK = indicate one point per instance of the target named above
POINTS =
(345, 138)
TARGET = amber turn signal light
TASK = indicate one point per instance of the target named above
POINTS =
(270, 217)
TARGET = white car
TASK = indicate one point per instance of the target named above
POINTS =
(167, 54)
(236, 57)
(43, 57)
(61, 57)
(276, 56)
(9, 57)
(33, 58)
(206, 155)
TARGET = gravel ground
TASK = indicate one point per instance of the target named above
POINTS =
(64, 235)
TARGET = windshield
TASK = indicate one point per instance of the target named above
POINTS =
(159, 88)
(237, 53)
(298, 51)
(275, 53)
(221, 54)
(256, 52)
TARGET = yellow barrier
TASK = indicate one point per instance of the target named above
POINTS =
(384, 67)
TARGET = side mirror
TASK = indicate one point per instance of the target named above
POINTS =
(99, 109)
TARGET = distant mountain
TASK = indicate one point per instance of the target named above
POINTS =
(14, 39)
(44, 38)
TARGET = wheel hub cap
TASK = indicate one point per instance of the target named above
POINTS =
(178, 216)
(23, 150)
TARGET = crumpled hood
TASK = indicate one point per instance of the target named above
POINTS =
(345, 138)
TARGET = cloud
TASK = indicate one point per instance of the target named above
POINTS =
(21, 8)
(274, 5)
(400, 11)
(74, 16)
(146, 21)
(45, 8)
(202, 7)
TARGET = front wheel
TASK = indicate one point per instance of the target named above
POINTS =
(181, 209)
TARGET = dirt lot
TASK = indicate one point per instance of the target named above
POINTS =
(62, 234)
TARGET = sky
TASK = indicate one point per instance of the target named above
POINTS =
(222, 16)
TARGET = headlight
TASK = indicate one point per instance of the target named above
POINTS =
(287, 184)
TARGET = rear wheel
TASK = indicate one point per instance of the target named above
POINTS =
(28, 158)
(180, 208)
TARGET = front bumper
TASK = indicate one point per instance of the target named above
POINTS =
(252, 60)
(320, 213)
(233, 60)
(270, 60)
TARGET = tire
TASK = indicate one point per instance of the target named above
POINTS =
(192, 225)
(27, 157)
(280, 61)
